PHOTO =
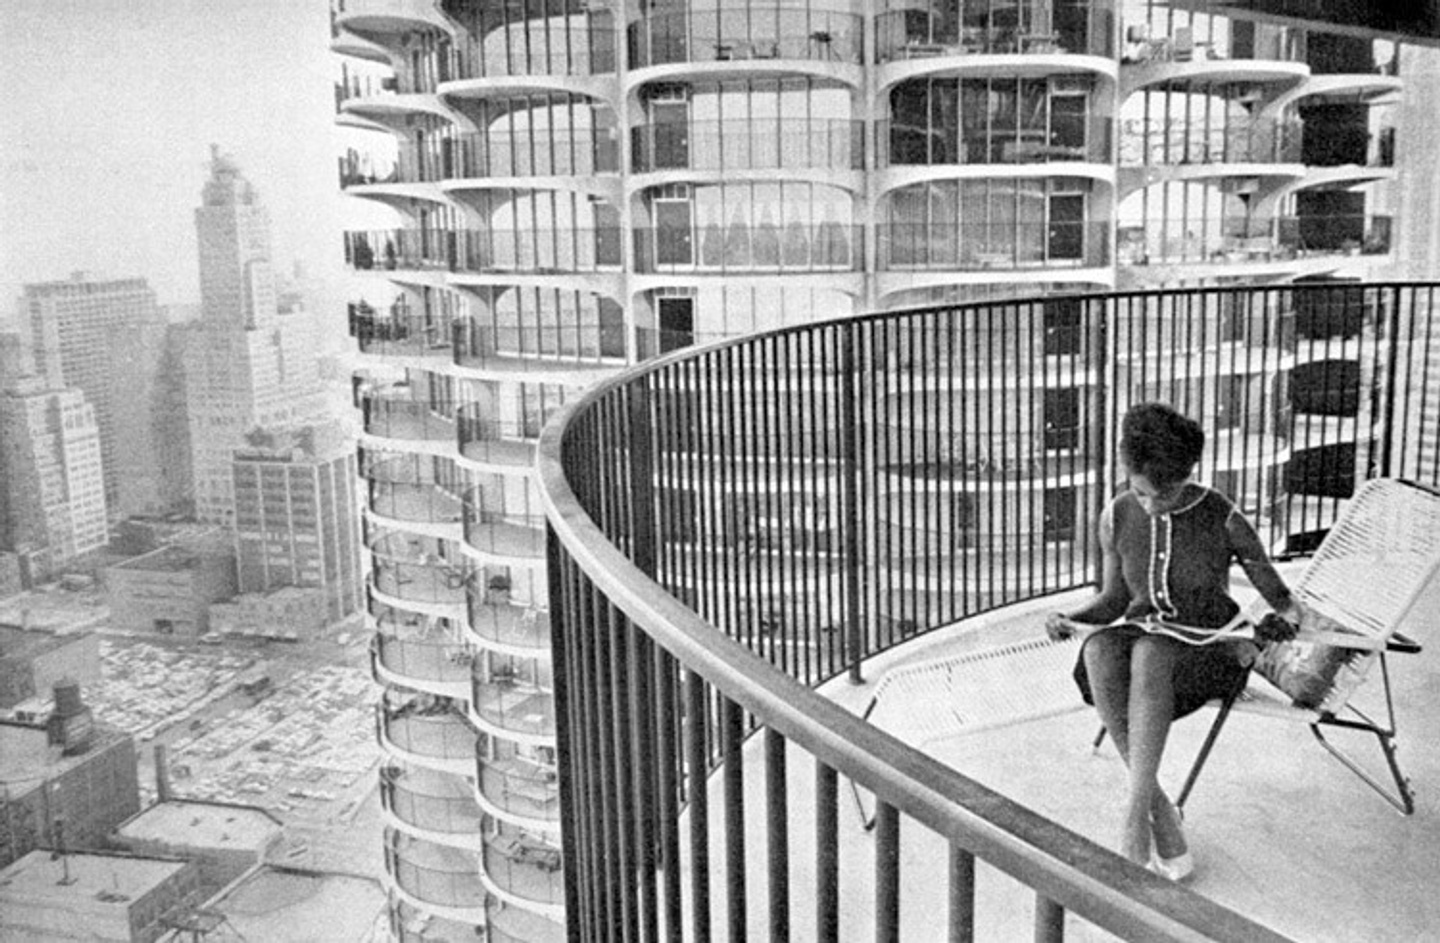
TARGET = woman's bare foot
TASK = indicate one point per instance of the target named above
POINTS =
(1166, 826)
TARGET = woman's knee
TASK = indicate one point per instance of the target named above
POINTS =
(1106, 655)
(1152, 663)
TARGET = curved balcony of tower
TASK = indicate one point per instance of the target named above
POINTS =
(574, 354)
(518, 925)
(345, 43)
(1238, 153)
(387, 22)
(434, 878)
(412, 924)
(402, 495)
(501, 535)
(518, 785)
(513, 697)
(515, 49)
(915, 38)
(425, 804)
(408, 572)
(426, 731)
(557, 257)
(1263, 56)
(502, 623)
(1252, 247)
(404, 333)
(424, 654)
(414, 251)
(736, 40)
(491, 444)
(524, 867)
(395, 417)
(674, 146)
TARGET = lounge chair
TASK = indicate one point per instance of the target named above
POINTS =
(1377, 570)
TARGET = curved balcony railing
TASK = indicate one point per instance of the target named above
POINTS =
(749, 144)
(431, 803)
(483, 439)
(495, 619)
(356, 87)
(540, 153)
(495, 532)
(522, 787)
(423, 659)
(528, 865)
(391, 416)
(1181, 46)
(517, 925)
(438, 583)
(974, 247)
(417, 503)
(391, 249)
(537, 347)
(640, 625)
(502, 697)
(445, 881)
(539, 251)
(923, 30)
(737, 31)
(436, 732)
(1228, 240)
(763, 247)
(1161, 141)
(907, 145)
(580, 48)
(399, 331)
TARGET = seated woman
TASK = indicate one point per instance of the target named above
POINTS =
(1167, 544)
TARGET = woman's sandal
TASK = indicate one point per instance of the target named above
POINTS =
(1177, 868)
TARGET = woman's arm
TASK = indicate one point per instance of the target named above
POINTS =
(1256, 562)
(1114, 597)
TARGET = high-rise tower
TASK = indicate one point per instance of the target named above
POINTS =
(73, 329)
(246, 365)
(576, 186)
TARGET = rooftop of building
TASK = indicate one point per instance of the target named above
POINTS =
(220, 826)
(274, 903)
(27, 759)
(19, 643)
(45, 878)
(80, 283)
(169, 559)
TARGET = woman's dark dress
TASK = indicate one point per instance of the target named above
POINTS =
(1176, 567)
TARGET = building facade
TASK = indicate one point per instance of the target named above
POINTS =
(296, 517)
(169, 591)
(152, 447)
(573, 187)
(52, 485)
(246, 365)
(74, 329)
(92, 896)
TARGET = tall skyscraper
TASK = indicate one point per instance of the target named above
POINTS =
(577, 187)
(296, 516)
(152, 434)
(246, 364)
(52, 490)
(73, 328)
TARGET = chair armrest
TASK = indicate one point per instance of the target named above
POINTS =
(1343, 640)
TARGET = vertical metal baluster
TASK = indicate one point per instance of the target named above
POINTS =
(733, 773)
(827, 854)
(777, 836)
(697, 761)
(962, 895)
(887, 873)
(1049, 921)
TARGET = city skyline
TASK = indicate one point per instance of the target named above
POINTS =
(110, 189)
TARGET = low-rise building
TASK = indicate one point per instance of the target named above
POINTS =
(33, 661)
(224, 840)
(95, 897)
(169, 591)
(64, 781)
(292, 612)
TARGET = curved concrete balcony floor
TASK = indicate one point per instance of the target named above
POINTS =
(1279, 830)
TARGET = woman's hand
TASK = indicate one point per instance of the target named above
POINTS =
(1058, 626)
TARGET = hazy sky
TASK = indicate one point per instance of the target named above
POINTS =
(111, 108)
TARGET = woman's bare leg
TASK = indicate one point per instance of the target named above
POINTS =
(1151, 708)
(1107, 665)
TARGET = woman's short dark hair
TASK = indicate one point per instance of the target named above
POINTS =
(1160, 443)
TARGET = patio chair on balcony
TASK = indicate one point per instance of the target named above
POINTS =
(1378, 569)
